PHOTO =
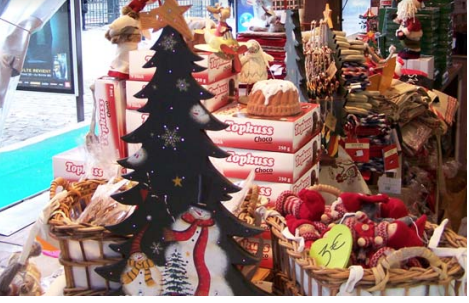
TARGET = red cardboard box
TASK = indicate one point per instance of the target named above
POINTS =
(133, 120)
(217, 68)
(271, 190)
(284, 135)
(72, 165)
(134, 87)
(268, 166)
(110, 98)
(137, 59)
(224, 90)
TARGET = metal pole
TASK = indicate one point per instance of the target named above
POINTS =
(75, 14)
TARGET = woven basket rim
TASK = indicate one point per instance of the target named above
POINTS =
(60, 224)
(396, 278)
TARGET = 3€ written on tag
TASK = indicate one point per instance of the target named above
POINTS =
(333, 251)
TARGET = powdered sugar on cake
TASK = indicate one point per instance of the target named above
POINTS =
(271, 87)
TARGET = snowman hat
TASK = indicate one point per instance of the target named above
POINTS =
(136, 247)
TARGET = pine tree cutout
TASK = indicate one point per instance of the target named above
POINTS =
(173, 169)
(174, 277)
(295, 58)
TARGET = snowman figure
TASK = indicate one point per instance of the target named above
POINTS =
(195, 236)
(140, 277)
(254, 65)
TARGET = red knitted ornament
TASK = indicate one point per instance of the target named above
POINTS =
(315, 203)
(407, 236)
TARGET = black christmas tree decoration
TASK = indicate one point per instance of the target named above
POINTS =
(178, 193)
(295, 58)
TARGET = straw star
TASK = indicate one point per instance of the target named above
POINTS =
(327, 13)
(170, 13)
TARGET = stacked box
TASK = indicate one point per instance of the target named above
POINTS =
(444, 34)
(284, 152)
(109, 95)
(217, 78)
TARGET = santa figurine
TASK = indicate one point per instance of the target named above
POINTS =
(126, 33)
(196, 236)
(140, 277)
(410, 29)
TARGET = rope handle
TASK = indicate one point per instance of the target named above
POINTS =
(393, 260)
(327, 189)
(58, 182)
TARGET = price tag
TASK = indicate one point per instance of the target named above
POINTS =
(331, 121)
(389, 185)
(333, 251)
(358, 149)
(390, 157)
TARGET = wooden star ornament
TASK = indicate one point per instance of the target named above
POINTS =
(327, 13)
(170, 13)
(177, 181)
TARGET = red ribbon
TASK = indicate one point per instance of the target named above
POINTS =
(234, 51)
(203, 273)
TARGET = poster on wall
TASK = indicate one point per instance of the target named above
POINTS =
(48, 63)
(253, 14)
(244, 15)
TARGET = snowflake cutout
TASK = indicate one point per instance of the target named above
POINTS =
(168, 43)
(156, 248)
(170, 137)
(182, 85)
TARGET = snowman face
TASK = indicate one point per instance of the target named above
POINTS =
(199, 213)
(139, 256)
(199, 115)
(138, 158)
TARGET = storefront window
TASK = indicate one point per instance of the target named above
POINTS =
(351, 10)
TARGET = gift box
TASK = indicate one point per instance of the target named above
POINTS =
(110, 98)
(286, 134)
(268, 166)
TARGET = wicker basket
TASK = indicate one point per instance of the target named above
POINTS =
(83, 247)
(281, 284)
(440, 278)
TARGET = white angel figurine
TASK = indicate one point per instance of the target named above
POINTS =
(255, 64)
